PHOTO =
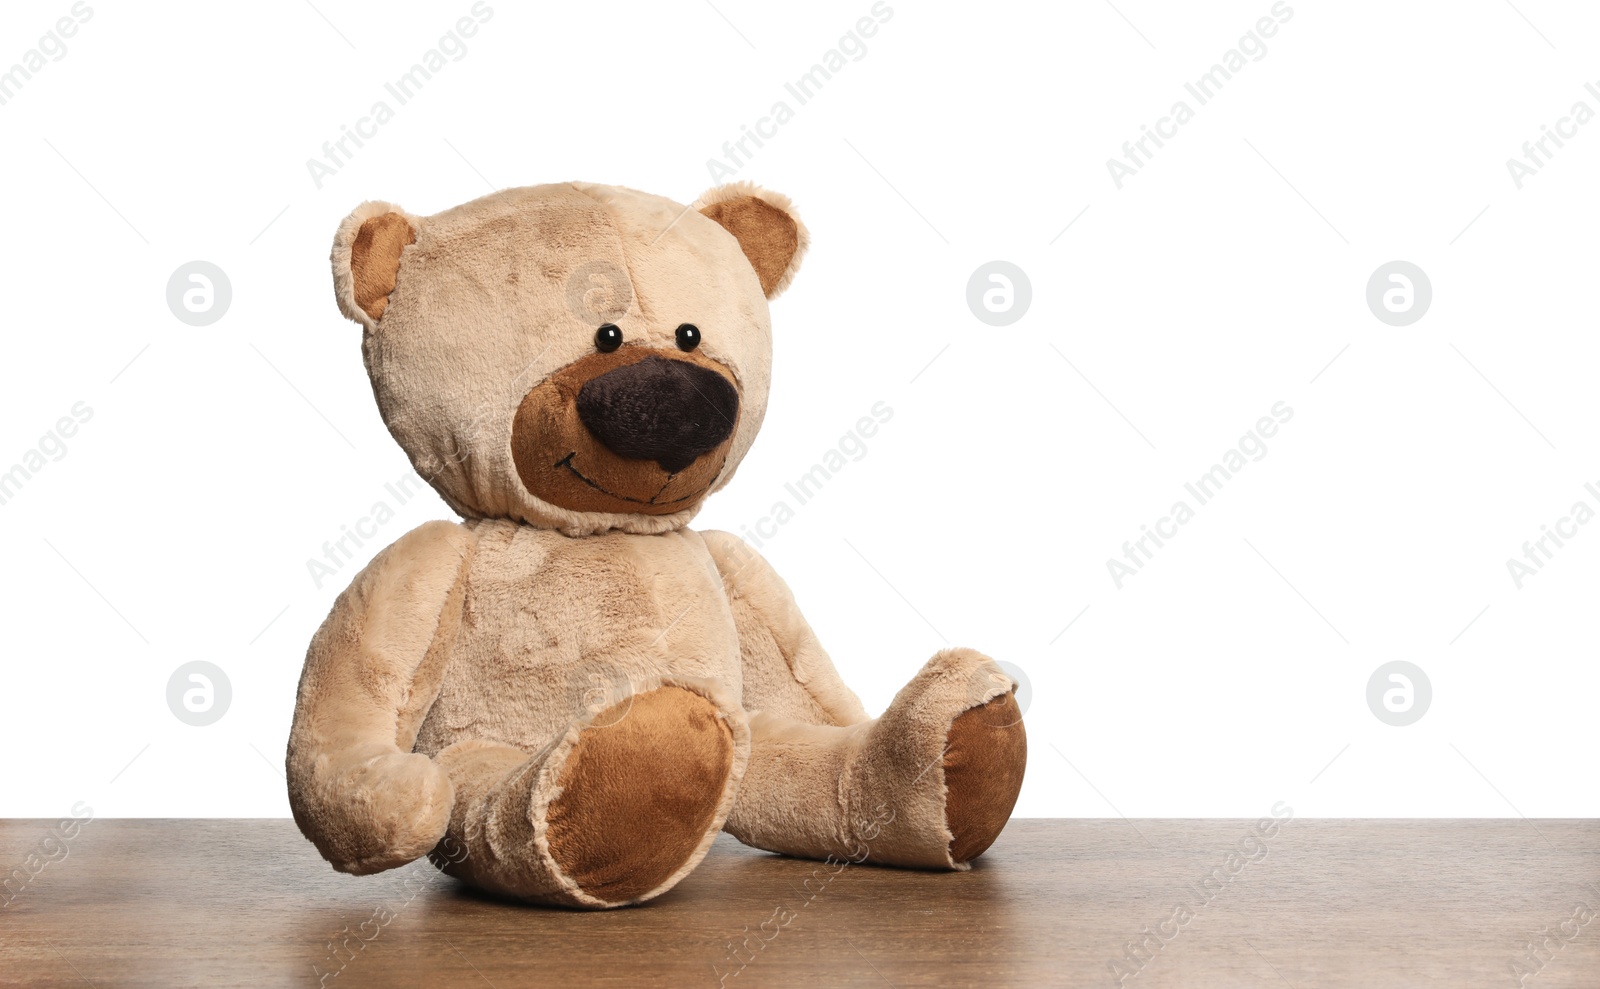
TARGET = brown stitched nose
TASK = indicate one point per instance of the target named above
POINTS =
(660, 409)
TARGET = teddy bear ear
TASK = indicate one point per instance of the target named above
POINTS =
(766, 226)
(366, 259)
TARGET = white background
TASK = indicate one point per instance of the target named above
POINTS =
(1221, 279)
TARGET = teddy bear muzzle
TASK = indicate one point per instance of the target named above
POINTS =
(634, 431)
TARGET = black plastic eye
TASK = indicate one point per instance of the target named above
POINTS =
(608, 338)
(688, 336)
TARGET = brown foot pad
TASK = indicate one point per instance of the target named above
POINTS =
(983, 766)
(640, 793)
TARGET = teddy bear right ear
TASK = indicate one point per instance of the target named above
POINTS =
(766, 226)
(366, 259)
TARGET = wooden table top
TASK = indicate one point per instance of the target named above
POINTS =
(1369, 904)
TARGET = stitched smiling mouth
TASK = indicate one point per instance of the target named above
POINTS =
(567, 463)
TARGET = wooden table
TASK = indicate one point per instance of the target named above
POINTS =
(1366, 904)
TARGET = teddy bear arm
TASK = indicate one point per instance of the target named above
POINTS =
(372, 671)
(786, 671)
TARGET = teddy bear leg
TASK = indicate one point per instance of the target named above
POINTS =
(930, 784)
(613, 812)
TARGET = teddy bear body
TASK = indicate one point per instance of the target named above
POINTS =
(553, 626)
(570, 689)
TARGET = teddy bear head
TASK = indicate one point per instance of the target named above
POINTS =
(575, 356)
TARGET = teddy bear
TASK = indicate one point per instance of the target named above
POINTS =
(569, 688)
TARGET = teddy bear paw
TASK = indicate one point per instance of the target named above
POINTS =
(642, 794)
(384, 812)
(938, 774)
(985, 754)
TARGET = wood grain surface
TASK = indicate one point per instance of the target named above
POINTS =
(1370, 904)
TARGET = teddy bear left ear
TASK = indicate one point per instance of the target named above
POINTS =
(366, 259)
(766, 226)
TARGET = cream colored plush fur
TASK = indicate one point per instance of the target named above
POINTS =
(457, 678)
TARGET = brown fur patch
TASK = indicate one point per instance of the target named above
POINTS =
(768, 236)
(375, 260)
(983, 765)
(560, 461)
(638, 796)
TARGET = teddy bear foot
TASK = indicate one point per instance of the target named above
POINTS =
(984, 758)
(641, 794)
(614, 812)
(929, 785)
(938, 774)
